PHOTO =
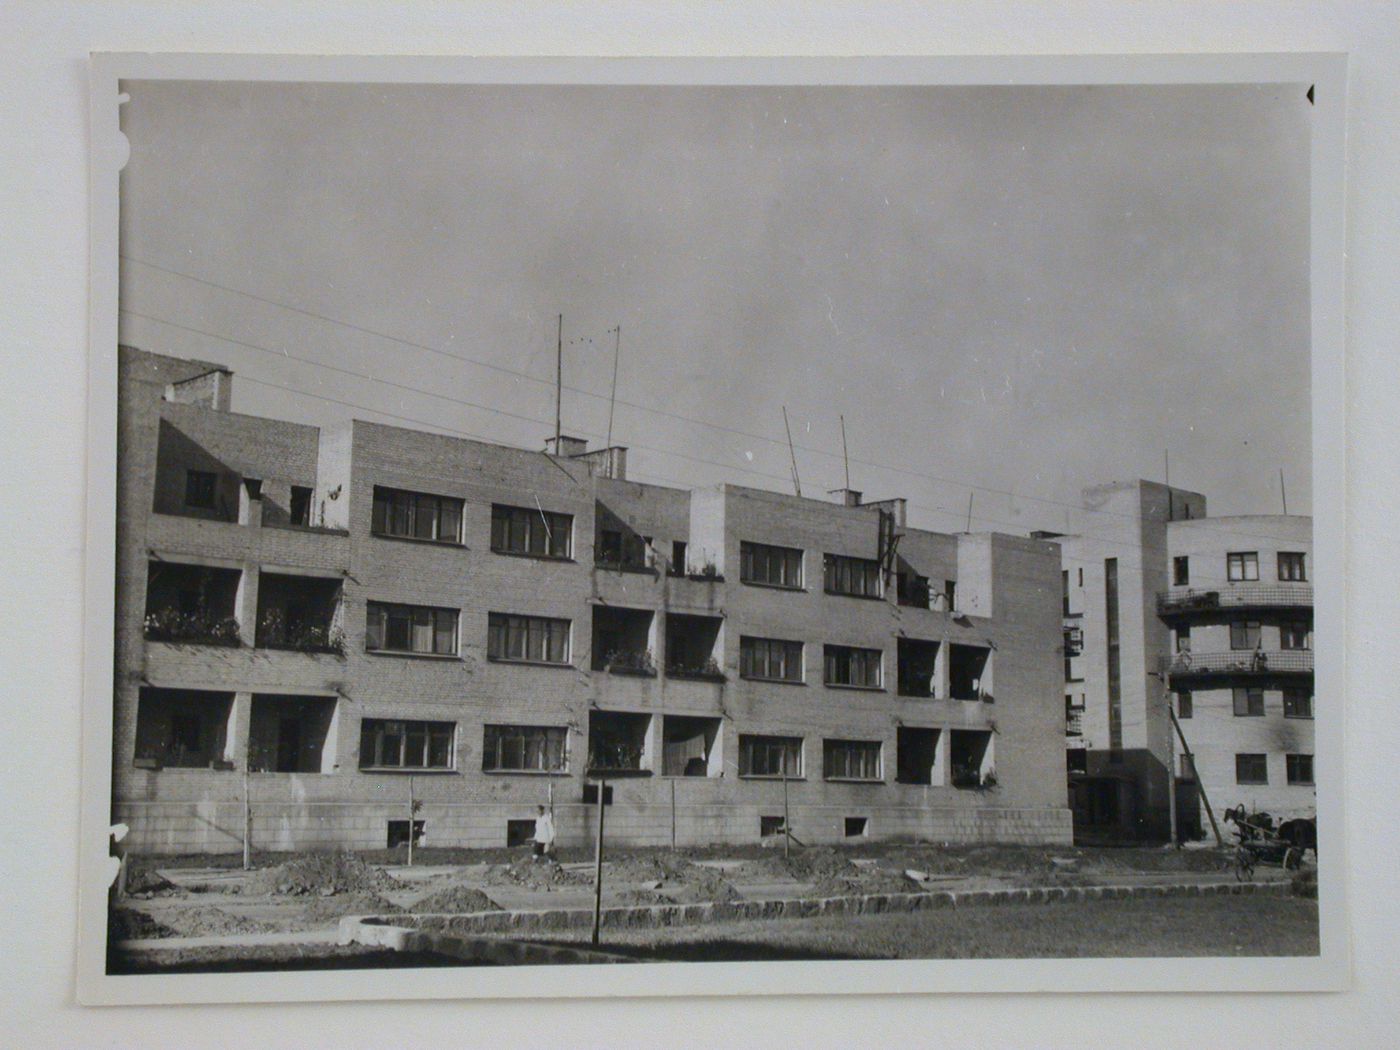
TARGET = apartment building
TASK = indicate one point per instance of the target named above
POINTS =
(350, 636)
(1164, 607)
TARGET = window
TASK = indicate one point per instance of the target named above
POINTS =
(1294, 635)
(1251, 769)
(1242, 565)
(1292, 566)
(1299, 768)
(858, 577)
(394, 744)
(774, 566)
(1297, 703)
(770, 756)
(856, 827)
(1181, 571)
(678, 557)
(851, 759)
(1183, 639)
(416, 515)
(912, 589)
(530, 638)
(532, 749)
(1064, 590)
(299, 509)
(622, 549)
(200, 486)
(950, 594)
(847, 665)
(1244, 634)
(529, 530)
(1184, 705)
(770, 658)
(769, 826)
(1249, 703)
(411, 629)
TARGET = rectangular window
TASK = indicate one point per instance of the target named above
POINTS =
(1300, 768)
(529, 530)
(851, 760)
(1244, 634)
(534, 639)
(1242, 565)
(1181, 571)
(912, 589)
(1183, 705)
(678, 557)
(416, 515)
(1292, 566)
(770, 658)
(770, 756)
(1297, 703)
(858, 577)
(950, 594)
(1294, 635)
(1064, 591)
(1183, 639)
(1248, 703)
(532, 749)
(622, 549)
(411, 629)
(299, 509)
(1251, 769)
(200, 486)
(847, 665)
(395, 744)
(774, 566)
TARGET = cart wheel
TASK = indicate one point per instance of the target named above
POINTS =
(1244, 865)
(1292, 859)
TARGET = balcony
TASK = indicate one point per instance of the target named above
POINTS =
(1074, 722)
(1240, 663)
(1190, 601)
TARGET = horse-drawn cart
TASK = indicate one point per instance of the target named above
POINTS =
(1262, 843)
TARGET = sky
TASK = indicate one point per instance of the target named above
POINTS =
(1009, 293)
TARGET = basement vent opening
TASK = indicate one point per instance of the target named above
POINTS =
(769, 826)
(590, 795)
(856, 827)
(520, 832)
(398, 833)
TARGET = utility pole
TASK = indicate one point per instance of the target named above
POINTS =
(412, 809)
(598, 864)
(559, 385)
(673, 814)
(787, 824)
(247, 822)
(796, 484)
(1171, 764)
(1191, 761)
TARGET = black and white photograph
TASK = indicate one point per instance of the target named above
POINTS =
(610, 522)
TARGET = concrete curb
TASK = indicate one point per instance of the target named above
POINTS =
(355, 930)
(652, 916)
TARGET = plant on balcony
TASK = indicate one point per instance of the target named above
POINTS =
(630, 661)
(274, 632)
(614, 754)
(971, 776)
(708, 571)
(709, 669)
(198, 627)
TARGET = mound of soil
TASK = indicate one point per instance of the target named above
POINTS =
(458, 900)
(209, 921)
(813, 864)
(638, 897)
(147, 883)
(658, 867)
(128, 924)
(535, 875)
(322, 874)
(324, 909)
(875, 882)
(700, 885)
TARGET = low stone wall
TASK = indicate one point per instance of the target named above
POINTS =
(659, 915)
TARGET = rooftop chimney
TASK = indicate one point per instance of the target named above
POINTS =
(848, 497)
(568, 446)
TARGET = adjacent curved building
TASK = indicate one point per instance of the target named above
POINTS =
(1170, 610)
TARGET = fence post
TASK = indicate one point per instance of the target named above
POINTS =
(247, 822)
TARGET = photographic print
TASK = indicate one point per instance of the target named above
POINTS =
(616, 521)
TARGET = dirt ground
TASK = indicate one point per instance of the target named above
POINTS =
(204, 896)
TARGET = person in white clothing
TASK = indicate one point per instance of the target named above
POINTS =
(544, 836)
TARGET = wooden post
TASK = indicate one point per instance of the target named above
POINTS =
(411, 808)
(598, 865)
(1171, 765)
(1186, 749)
(247, 822)
(787, 824)
(673, 814)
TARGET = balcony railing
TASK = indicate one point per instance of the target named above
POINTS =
(1241, 662)
(1179, 601)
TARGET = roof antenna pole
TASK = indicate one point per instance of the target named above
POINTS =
(845, 456)
(1283, 492)
(1167, 474)
(612, 399)
(970, 495)
(559, 386)
(796, 484)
